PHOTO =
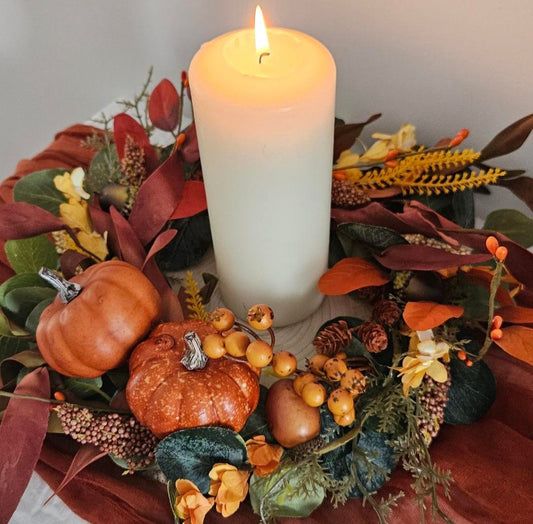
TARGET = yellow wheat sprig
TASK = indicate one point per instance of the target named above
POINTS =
(434, 161)
(194, 300)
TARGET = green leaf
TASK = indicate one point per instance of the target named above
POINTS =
(38, 189)
(104, 170)
(257, 422)
(291, 491)
(10, 346)
(191, 453)
(32, 320)
(375, 236)
(513, 223)
(86, 387)
(19, 281)
(28, 255)
(22, 300)
(119, 377)
(10, 366)
(463, 207)
(471, 394)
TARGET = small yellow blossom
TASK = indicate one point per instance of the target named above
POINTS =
(190, 505)
(403, 141)
(229, 486)
(75, 214)
(425, 360)
(263, 456)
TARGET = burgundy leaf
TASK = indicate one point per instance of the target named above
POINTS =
(160, 242)
(157, 198)
(425, 258)
(22, 434)
(130, 247)
(123, 126)
(346, 135)
(164, 106)
(192, 202)
(23, 220)
(522, 187)
(509, 139)
(189, 150)
(5, 272)
(86, 455)
(70, 260)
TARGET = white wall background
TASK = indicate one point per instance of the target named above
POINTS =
(441, 65)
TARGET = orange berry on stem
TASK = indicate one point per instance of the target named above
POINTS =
(334, 368)
(236, 343)
(314, 394)
(59, 395)
(469, 363)
(353, 381)
(340, 175)
(497, 322)
(496, 334)
(260, 317)
(259, 353)
(391, 155)
(492, 244)
(461, 355)
(301, 380)
(284, 363)
(501, 253)
(345, 419)
(222, 319)
(316, 363)
(213, 345)
(340, 401)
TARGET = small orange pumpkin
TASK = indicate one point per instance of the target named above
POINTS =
(165, 396)
(94, 331)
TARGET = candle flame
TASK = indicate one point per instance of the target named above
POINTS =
(261, 39)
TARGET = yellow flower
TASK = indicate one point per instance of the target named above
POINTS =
(263, 456)
(190, 505)
(75, 213)
(347, 159)
(229, 486)
(403, 141)
(426, 360)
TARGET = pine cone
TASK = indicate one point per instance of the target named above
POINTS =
(302, 451)
(370, 293)
(433, 397)
(333, 338)
(386, 312)
(346, 194)
(373, 336)
(132, 163)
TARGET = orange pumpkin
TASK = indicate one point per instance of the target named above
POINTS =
(165, 396)
(94, 332)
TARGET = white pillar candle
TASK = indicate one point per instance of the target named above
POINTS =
(265, 134)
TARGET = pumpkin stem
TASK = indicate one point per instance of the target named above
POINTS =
(67, 290)
(194, 358)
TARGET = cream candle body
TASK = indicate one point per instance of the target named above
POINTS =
(265, 133)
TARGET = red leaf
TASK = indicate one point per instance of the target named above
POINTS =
(86, 455)
(23, 220)
(160, 242)
(164, 106)
(346, 135)
(123, 126)
(516, 314)
(425, 258)
(421, 316)
(518, 342)
(189, 150)
(522, 187)
(70, 260)
(22, 434)
(130, 247)
(350, 274)
(157, 198)
(193, 200)
(509, 139)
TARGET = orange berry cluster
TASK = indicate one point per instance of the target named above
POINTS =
(496, 332)
(494, 248)
(233, 339)
(333, 370)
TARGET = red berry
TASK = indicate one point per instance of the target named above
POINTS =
(497, 322)
(496, 334)
(501, 253)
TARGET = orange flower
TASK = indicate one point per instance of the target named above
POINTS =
(230, 487)
(264, 457)
(190, 504)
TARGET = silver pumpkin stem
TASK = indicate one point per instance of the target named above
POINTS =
(67, 291)
(194, 358)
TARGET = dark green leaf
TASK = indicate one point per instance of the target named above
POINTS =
(18, 281)
(257, 423)
(471, 394)
(463, 207)
(10, 366)
(118, 377)
(509, 139)
(28, 255)
(104, 170)
(38, 189)
(33, 318)
(85, 387)
(336, 249)
(22, 300)
(171, 492)
(375, 236)
(191, 453)
(288, 492)
(188, 246)
(10, 346)
(474, 298)
(510, 222)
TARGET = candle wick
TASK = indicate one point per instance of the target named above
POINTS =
(262, 55)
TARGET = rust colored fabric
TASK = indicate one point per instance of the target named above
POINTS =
(491, 461)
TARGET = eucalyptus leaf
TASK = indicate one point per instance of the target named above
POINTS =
(32, 320)
(85, 387)
(463, 207)
(22, 300)
(191, 453)
(38, 189)
(28, 255)
(257, 422)
(104, 170)
(5, 326)
(471, 394)
(513, 223)
(375, 236)
(288, 492)
(19, 281)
